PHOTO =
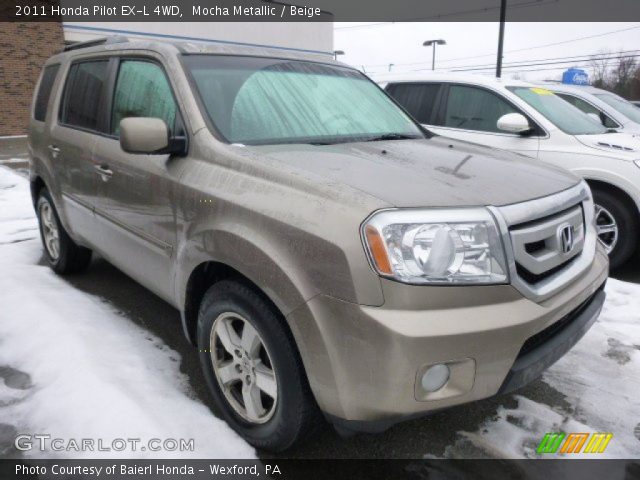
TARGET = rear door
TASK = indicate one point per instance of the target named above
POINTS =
(137, 212)
(73, 140)
(471, 113)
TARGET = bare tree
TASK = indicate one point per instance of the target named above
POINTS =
(601, 65)
(623, 75)
(620, 74)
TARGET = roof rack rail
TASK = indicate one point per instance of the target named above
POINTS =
(97, 41)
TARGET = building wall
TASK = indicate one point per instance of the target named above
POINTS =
(24, 47)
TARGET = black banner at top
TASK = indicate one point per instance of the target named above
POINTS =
(317, 10)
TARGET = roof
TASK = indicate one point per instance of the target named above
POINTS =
(449, 77)
(563, 87)
(175, 47)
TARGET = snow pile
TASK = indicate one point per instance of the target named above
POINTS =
(93, 373)
(600, 379)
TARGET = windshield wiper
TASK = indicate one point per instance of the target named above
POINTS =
(392, 136)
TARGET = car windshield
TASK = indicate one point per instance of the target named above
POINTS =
(260, 101)
(628, 109)
(562, 114)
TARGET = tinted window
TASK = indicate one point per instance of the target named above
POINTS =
(44, 92)
(83, 94)
(472, 108)
(586, 107)
(417, 99)
(142, 90)
(254, 100)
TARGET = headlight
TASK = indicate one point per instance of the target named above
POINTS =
(436, 246)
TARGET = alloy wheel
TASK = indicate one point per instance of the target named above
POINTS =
(50, 232)
(243, 368)
(606, 228)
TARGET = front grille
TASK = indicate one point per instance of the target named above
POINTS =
(534, 234)
(538, 247)
(532, 278)
(545, 335)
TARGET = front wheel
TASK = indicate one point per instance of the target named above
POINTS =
(253, 368)
(616, 225)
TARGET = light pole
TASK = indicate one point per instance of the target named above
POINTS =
(503, 17)
(433, 43)
(336, 53)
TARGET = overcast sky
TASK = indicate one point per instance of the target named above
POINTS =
(375, 46)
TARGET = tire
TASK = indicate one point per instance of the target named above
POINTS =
(608, 205)
(293, 415)
(68, 257)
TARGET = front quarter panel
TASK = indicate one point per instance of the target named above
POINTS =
(292, 235)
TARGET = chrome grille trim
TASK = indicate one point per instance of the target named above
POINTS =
(546, 230)
(568, 201)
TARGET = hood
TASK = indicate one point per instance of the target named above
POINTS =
(632, 128)
(427, 173)
(626, 145)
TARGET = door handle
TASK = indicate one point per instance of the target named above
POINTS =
(104, 172)
(54, 151)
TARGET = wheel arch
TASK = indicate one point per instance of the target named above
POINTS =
(36, 184)
(215, 255)
(615, 190)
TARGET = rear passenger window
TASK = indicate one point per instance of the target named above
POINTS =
(83, 94)
(418, 99)
(44, 92)
(472, 108)
(142, 90)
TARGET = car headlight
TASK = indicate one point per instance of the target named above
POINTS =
(436, 246)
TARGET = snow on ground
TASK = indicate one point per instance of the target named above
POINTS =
(74, 368)
(600, 379)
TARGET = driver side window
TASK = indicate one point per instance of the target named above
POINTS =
(472, 108)
(142, 90)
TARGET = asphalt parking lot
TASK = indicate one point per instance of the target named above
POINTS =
(425, 437)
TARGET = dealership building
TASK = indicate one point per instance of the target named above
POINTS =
(24, 47)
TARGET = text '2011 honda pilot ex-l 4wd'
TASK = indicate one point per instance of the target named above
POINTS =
(327, 253)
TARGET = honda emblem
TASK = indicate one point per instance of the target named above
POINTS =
(565, 235)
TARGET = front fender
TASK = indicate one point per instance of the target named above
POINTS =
(626, 178)
(286, 289)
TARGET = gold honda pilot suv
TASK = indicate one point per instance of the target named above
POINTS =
(328, 255)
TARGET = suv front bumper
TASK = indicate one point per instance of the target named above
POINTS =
(364, 363)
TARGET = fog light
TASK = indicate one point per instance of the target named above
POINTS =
(435, 377)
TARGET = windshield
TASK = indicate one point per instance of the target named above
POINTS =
(562, 114)
(259, 101)
(628, 109)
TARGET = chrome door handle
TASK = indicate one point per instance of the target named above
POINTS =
(104, 172)
(54, 151)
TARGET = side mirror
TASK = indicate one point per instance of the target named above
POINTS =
(150, 136)
(513, 123)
